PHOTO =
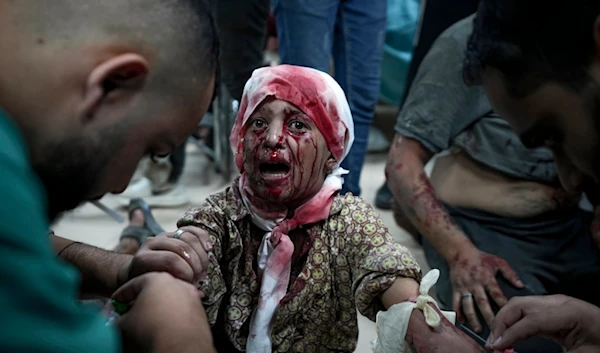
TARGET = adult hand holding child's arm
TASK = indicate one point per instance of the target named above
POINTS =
(166, 315)
(104, 271)
(184, 254)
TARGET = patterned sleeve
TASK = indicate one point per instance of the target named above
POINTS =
(210, 217)
(376, 259)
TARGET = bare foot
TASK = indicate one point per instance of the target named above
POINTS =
(130, 245)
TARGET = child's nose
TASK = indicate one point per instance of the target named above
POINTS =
(274, 136)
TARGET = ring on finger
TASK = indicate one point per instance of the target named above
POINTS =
(466, 296)
(178, 233)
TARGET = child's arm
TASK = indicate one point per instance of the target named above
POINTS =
(211, 218)
(424, 339)
(386, 273)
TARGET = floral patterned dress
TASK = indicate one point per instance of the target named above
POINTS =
(346, 262)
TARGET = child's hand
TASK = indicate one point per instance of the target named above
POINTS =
(185, 256)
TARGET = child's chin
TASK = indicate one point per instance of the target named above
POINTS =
(273, 194)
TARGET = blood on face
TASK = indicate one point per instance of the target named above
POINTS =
(286, 157)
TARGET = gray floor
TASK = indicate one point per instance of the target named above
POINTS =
(90, 225)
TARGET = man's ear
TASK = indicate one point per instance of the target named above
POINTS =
(113, 79)
(331, 162)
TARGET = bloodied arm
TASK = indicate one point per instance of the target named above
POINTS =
(472, 271)
(416, 197)
(385, 273)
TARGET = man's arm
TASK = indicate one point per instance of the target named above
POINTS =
(471, 271)
(102, 271)
(410, 186)
(439, 106)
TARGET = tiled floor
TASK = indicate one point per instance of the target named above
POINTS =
(90, 225)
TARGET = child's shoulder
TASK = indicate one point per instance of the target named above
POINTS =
(349, 199)
(352, 209)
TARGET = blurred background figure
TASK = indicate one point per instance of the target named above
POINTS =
(352, 32)
(436, 16)
(157, 180)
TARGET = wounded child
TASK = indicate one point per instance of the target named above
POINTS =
(292, 259)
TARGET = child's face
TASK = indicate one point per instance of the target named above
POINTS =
(286, 157)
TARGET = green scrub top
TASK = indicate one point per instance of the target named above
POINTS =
(39, 310)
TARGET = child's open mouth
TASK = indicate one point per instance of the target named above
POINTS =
(274, 170)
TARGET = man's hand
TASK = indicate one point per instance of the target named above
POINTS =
(185, 258)
(166, 315)
(573, 323)
(473, 277)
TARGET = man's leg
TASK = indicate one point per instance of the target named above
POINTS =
(243, 31)
(357, 54)
(305, 31)
(496, 235)
(129, 244)
(142, 225)
(581, 260)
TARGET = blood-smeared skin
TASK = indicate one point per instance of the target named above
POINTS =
(304, 88)
(425, 197)
(469, 268)
(475, 272)
(305, 151)
(444, 339)
(418, 199)
(483, 270)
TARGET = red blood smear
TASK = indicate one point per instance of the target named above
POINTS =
(434, 211)
(275, 191)
(491, 261)
(274, 156)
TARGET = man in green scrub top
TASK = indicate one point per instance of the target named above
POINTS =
(86, 89)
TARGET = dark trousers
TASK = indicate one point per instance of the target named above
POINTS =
(552, 253)
(242, 26)
(177, 159)
(352, 32)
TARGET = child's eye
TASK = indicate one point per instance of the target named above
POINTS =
(298, 125)
(258, 123)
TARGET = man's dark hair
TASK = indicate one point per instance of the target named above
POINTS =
(533, 41)
(208, 27)
(181, 35)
